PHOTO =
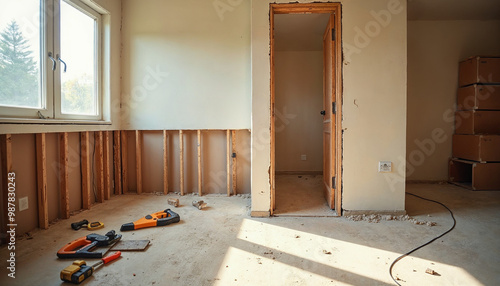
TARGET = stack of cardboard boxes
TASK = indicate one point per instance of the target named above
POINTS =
(475, 161)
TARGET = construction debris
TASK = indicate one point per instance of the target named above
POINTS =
(431, 272)
(199, 204)
(173, 202)
(376, 218)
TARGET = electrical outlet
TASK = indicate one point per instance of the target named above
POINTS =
(384, 166)
(303, 157)
(23, 204)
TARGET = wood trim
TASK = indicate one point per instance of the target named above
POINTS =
(228, 160)
(117, 162)
(199, 162)
(338, 99)
(305, 8)
(124, 144)
(302, 8)
(99, 165)
(165, 162)
(138, 160)
(41, 180)
(6, 151)
(107, 179)
(272, 168)
(63, 174)
(233, 155)
(85, 165)
(181, 160)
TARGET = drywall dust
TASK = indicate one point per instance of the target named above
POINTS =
(376, 218)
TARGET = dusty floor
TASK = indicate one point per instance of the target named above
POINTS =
(223, 245)
(301, 196)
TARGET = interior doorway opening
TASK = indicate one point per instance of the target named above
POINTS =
(304, 90)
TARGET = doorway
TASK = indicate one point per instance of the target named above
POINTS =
(305, 104)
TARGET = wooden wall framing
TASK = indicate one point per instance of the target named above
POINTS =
(99, 152)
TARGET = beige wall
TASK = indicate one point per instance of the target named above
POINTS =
(434, 50)
(111, 78)
(299, 93)
(374, 107)
(185, 65)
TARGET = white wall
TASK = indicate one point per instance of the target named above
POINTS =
(434, 50)
(374, 104)
(111, 81)
(299, 100)
(185, 65)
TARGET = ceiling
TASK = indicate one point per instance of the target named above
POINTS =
(446, 10)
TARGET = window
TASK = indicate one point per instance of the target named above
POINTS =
(50, 60)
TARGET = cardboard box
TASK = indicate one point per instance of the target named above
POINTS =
(474, 175)
(482, 148)
(477, 122)
(475, 97)
(479, 70)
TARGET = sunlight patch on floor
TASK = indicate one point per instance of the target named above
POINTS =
(304, 258)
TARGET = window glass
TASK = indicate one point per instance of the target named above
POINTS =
(20, 80)
(78, 51)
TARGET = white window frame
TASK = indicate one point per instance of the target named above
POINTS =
(50, 111)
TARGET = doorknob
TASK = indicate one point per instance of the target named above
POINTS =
(323, 112)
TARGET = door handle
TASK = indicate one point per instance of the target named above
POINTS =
(323, 112)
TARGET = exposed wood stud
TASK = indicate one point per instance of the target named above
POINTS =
(124, 144)
(181, 158)
(138, 159)
(6, 150)
(228, 160)
(107, 179)
(85, 163)
(63, 174)
(41, 181)
(199, 162)
(233, 155)
(117, 160)
(165, 162)
(99, 166)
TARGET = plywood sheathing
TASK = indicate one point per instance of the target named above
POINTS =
(99, 166)
(6, 153)
(63, 174)
(85, 165)
(117, 161)
(138, 160)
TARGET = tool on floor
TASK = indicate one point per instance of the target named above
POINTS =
(95, 225)
(85, 223)
(173, 202)
(162, 218)
(77, 272)
(85, 247)
(80, 224)
(199, 204)
(131, 245)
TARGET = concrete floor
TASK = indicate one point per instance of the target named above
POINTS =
(301, 196)
(222, 245)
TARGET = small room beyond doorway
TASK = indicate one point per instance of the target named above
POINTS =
(298, 66)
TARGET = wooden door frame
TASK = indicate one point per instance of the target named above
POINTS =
(310, 8)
